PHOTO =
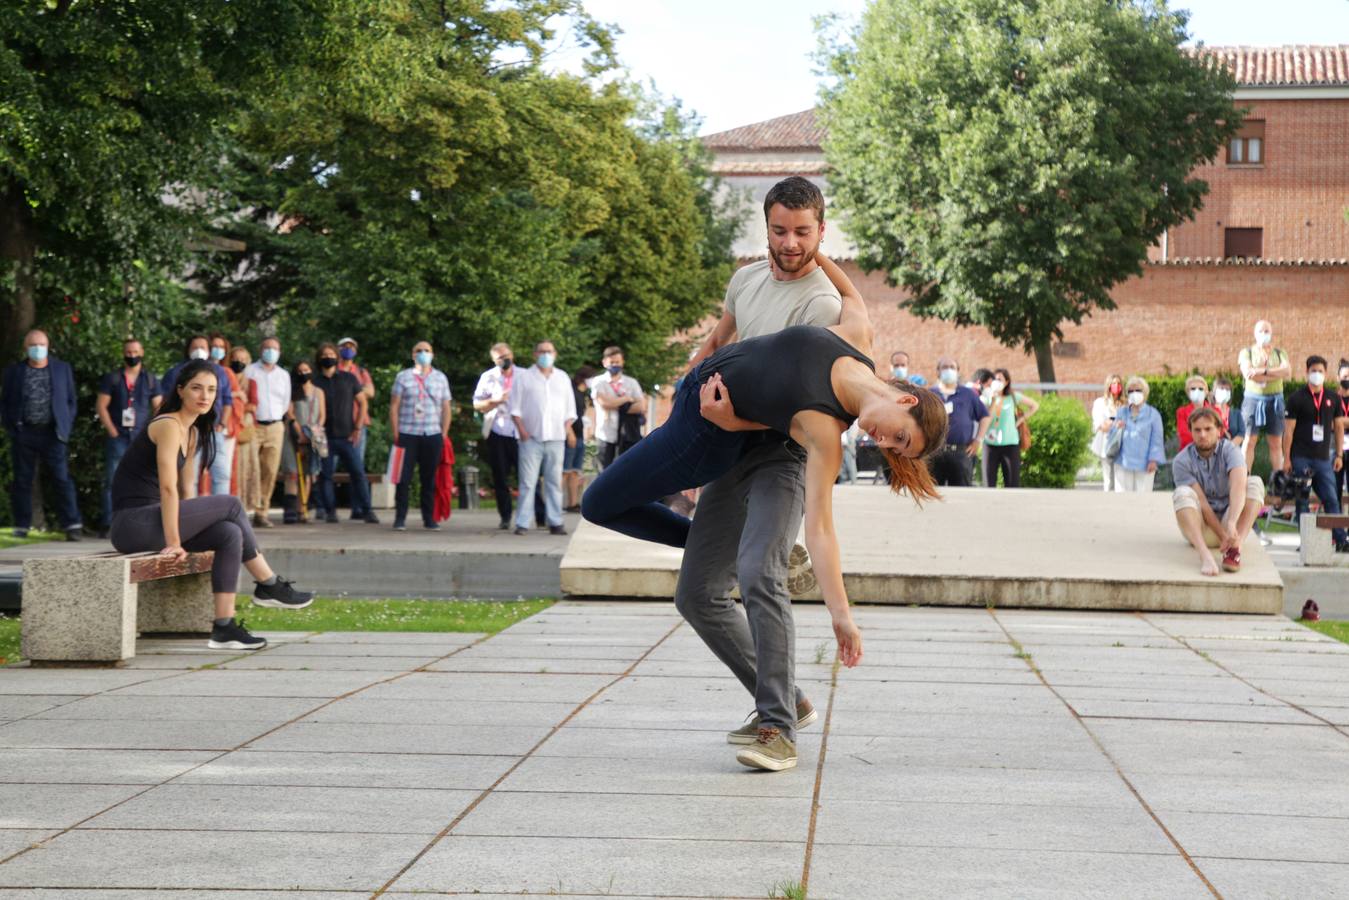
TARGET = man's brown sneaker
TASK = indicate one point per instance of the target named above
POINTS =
(748, 733)
(800, 575)
(769, 751)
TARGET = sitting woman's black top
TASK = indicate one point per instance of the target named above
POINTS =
(774, 377)
(136, 481)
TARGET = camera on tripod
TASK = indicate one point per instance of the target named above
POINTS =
(1289, 487)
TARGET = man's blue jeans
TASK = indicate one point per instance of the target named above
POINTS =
(360, 488)
(114, 448)
(536, 457)
(29, 446)
(686, 452)
(222, 466)
(1323, 482)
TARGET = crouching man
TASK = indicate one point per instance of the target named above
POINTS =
(1216, 503)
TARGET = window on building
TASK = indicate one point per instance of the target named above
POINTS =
(1247, 147)
(1247, 243)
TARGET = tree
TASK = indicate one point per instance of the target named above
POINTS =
(105, 109)
(1010, 161)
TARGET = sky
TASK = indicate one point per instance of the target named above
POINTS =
(740, 61)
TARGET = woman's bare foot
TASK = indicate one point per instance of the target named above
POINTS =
(1209, 566)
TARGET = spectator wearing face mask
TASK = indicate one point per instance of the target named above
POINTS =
(1342, 420)
(492, 399)
(1233, 425)
(245, 441)
(127, 398)
(618, 400)
(220, 352)
(1196, 390)
(1262, 407)
(1008, 409)
(1313, 439)
(198, 346)
(1103, 411)
(342, 398)
(899, 365)
(1142, 448)
(270, 393)
(346, 362)
(968, 419)
(419, 411)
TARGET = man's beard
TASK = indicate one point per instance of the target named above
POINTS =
(798, 263)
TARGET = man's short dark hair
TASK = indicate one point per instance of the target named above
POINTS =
(612, 350)
(1317, 360)
(795, 193)
(1206, 412)
(982, 375)
(187, 348)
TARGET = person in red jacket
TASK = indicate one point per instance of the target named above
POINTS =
(1196, 388)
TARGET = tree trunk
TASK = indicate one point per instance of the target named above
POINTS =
(1044, 360)
(18, 310)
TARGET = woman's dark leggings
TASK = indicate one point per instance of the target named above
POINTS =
(686, 452)
(1008, 459)
(216, 523)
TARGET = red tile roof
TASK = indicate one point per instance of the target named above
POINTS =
(1289, 66)
(1236, 261)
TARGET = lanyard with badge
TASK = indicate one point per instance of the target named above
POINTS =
(1318, 429)
(129, 413)
(419, 410)
(1344, 411)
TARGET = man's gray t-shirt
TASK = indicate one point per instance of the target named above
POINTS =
(763, 305)
(1211, 475)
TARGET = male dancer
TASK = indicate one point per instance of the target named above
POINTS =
(747, 521)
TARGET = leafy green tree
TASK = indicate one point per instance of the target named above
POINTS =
(1010, 161)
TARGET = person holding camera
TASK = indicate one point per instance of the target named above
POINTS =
(1312, 442)
(1215, 500)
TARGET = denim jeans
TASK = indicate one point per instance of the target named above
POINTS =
(344, 449)
(686, 452)
(1323, 482)
(29, 446)
(536, 457)
(114, 448)
(222, 466)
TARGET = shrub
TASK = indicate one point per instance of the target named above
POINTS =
(1060, 432)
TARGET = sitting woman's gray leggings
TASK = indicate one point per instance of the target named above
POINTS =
(204, 523)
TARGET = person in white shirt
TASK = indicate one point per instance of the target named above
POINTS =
(543, 407)
(614, 395)
(492, 398)
(269, 396)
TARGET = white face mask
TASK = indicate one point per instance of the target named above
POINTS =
(1135, 398)
(1196, 395)
(1263, 338)
(900, 371)
(997, 386)
(1316, 379)
(1221, 395)
(200, 353)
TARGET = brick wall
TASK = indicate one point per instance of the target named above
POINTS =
(1172, 318)
(1298, 195)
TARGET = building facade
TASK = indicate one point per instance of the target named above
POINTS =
(1272, 240)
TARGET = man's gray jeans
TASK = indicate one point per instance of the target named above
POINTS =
(746, 524)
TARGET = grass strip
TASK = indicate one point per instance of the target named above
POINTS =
(1338, 630)
(8, 540)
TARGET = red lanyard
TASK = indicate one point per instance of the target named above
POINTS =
(1344, 406)
(1316, 401)
(130, 389)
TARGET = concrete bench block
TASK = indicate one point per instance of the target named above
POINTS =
(183, 604)
(1317, 545)
(79, 610)
(381, 495)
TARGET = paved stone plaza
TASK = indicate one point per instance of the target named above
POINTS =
(581, 753)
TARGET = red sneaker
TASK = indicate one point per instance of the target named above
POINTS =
(1232, 560)
(1311, 612)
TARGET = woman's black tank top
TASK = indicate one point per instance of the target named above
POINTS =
(772, 378)
(136, 481)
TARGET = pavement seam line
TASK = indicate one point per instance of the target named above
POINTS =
(225, 753)
(464, 813)
(1207, 658)
(1077, 717)
(819, 779)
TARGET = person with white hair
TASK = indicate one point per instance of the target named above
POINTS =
(1142, 448)
(1264, 367)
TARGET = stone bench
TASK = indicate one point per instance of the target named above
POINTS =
(1317, 547)
(88, 609)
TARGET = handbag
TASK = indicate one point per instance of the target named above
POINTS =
(246, 431)
(1023, 432)
(1113, 442)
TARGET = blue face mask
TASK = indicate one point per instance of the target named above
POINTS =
(347, 353)
(37, 352)
(900, 371)
(615, 370)
(947, 376)
(270, 355)
(217, 353)
(545, 360)
(423, 357)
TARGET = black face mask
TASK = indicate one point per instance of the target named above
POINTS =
(1344, 383)
(506, 365)
(131, 361)
(328, 362)
(302, 377)
(238, 366)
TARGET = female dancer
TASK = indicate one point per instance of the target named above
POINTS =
(148, 514)
(804, 381)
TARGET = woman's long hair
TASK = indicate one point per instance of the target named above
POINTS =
(205, 424)
(912, 474)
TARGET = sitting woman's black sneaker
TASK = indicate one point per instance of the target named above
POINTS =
(281, 595)
(234, 636)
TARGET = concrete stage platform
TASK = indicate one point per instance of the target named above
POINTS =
(978, 547)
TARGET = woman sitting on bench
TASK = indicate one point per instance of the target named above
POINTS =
(148, 513)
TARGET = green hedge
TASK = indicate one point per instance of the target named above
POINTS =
(1060, 433)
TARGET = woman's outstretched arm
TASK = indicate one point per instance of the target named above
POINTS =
(824, 454)
(854, 324)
